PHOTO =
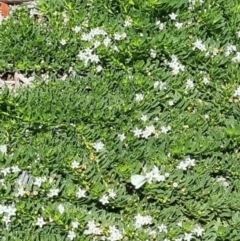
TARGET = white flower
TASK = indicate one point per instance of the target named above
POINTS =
(238, 34)
(53, 192)
(104, 199)
(61, 208)
(159, 25)
(40, 222)
(137, 132)
(173, 16)
(38, 181)
(144, 118)
(15, 169)
(142, 220)
(165, 129)
(237, 93)
(236, 59)
(81, 193)
(178, 25)
(188, 237)
(111, 193)
(171, 102)
(230, 49)
(206, 80)
(10, 210)
(75, 164)
(153, 53)
(178, 239)
(98, 146)
(182, 165)
(161, 85)
(3, 149)
(175, 184)
(75, 224)
(190, 84)
(92, 229)
(21, 192)
(6, 219)
(188, 162)
(99, 68)
(139, 97)
(162, 228)
(127, 23)
(115, 234)
(71, 235)
(107, 41)
(223, 181)
(5, 171)
(120, 36)
(121, 137)
(198, 231)
(198, 44)
(77, 29)
(63, 42)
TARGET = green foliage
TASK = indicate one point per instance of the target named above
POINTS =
(68, 134)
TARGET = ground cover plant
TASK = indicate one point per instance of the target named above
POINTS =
(121, 88)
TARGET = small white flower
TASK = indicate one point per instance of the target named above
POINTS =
(190, 84)
(206, 80)
(3, 149)
(99, 68)
(81, 193)
(171, 102)
(21, 192)
(111, 193)
(63, 42)
(162, 228)
(121, 137)
(144, 118)
(237, 93)
(198, 231)
(142, 220)
(15, 169)
(98, 146)
(198, 44)
(5, 171)
(75, 164)
(238, 34)
(159, 25)
(40, 222)
(77, 29)
(178, 25)
(11, 210)
(38, 181)
(75, 224)
(222, 181)
(165, 129)
(139, 97)
(137, 132)
(188, 237)
(173, 16)
(53, 192)
(175, 184)
(104, 199)
(61, 208)
(6, 219)
(153, 53)
(127, 23)
(71, 235)
(107, 41)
